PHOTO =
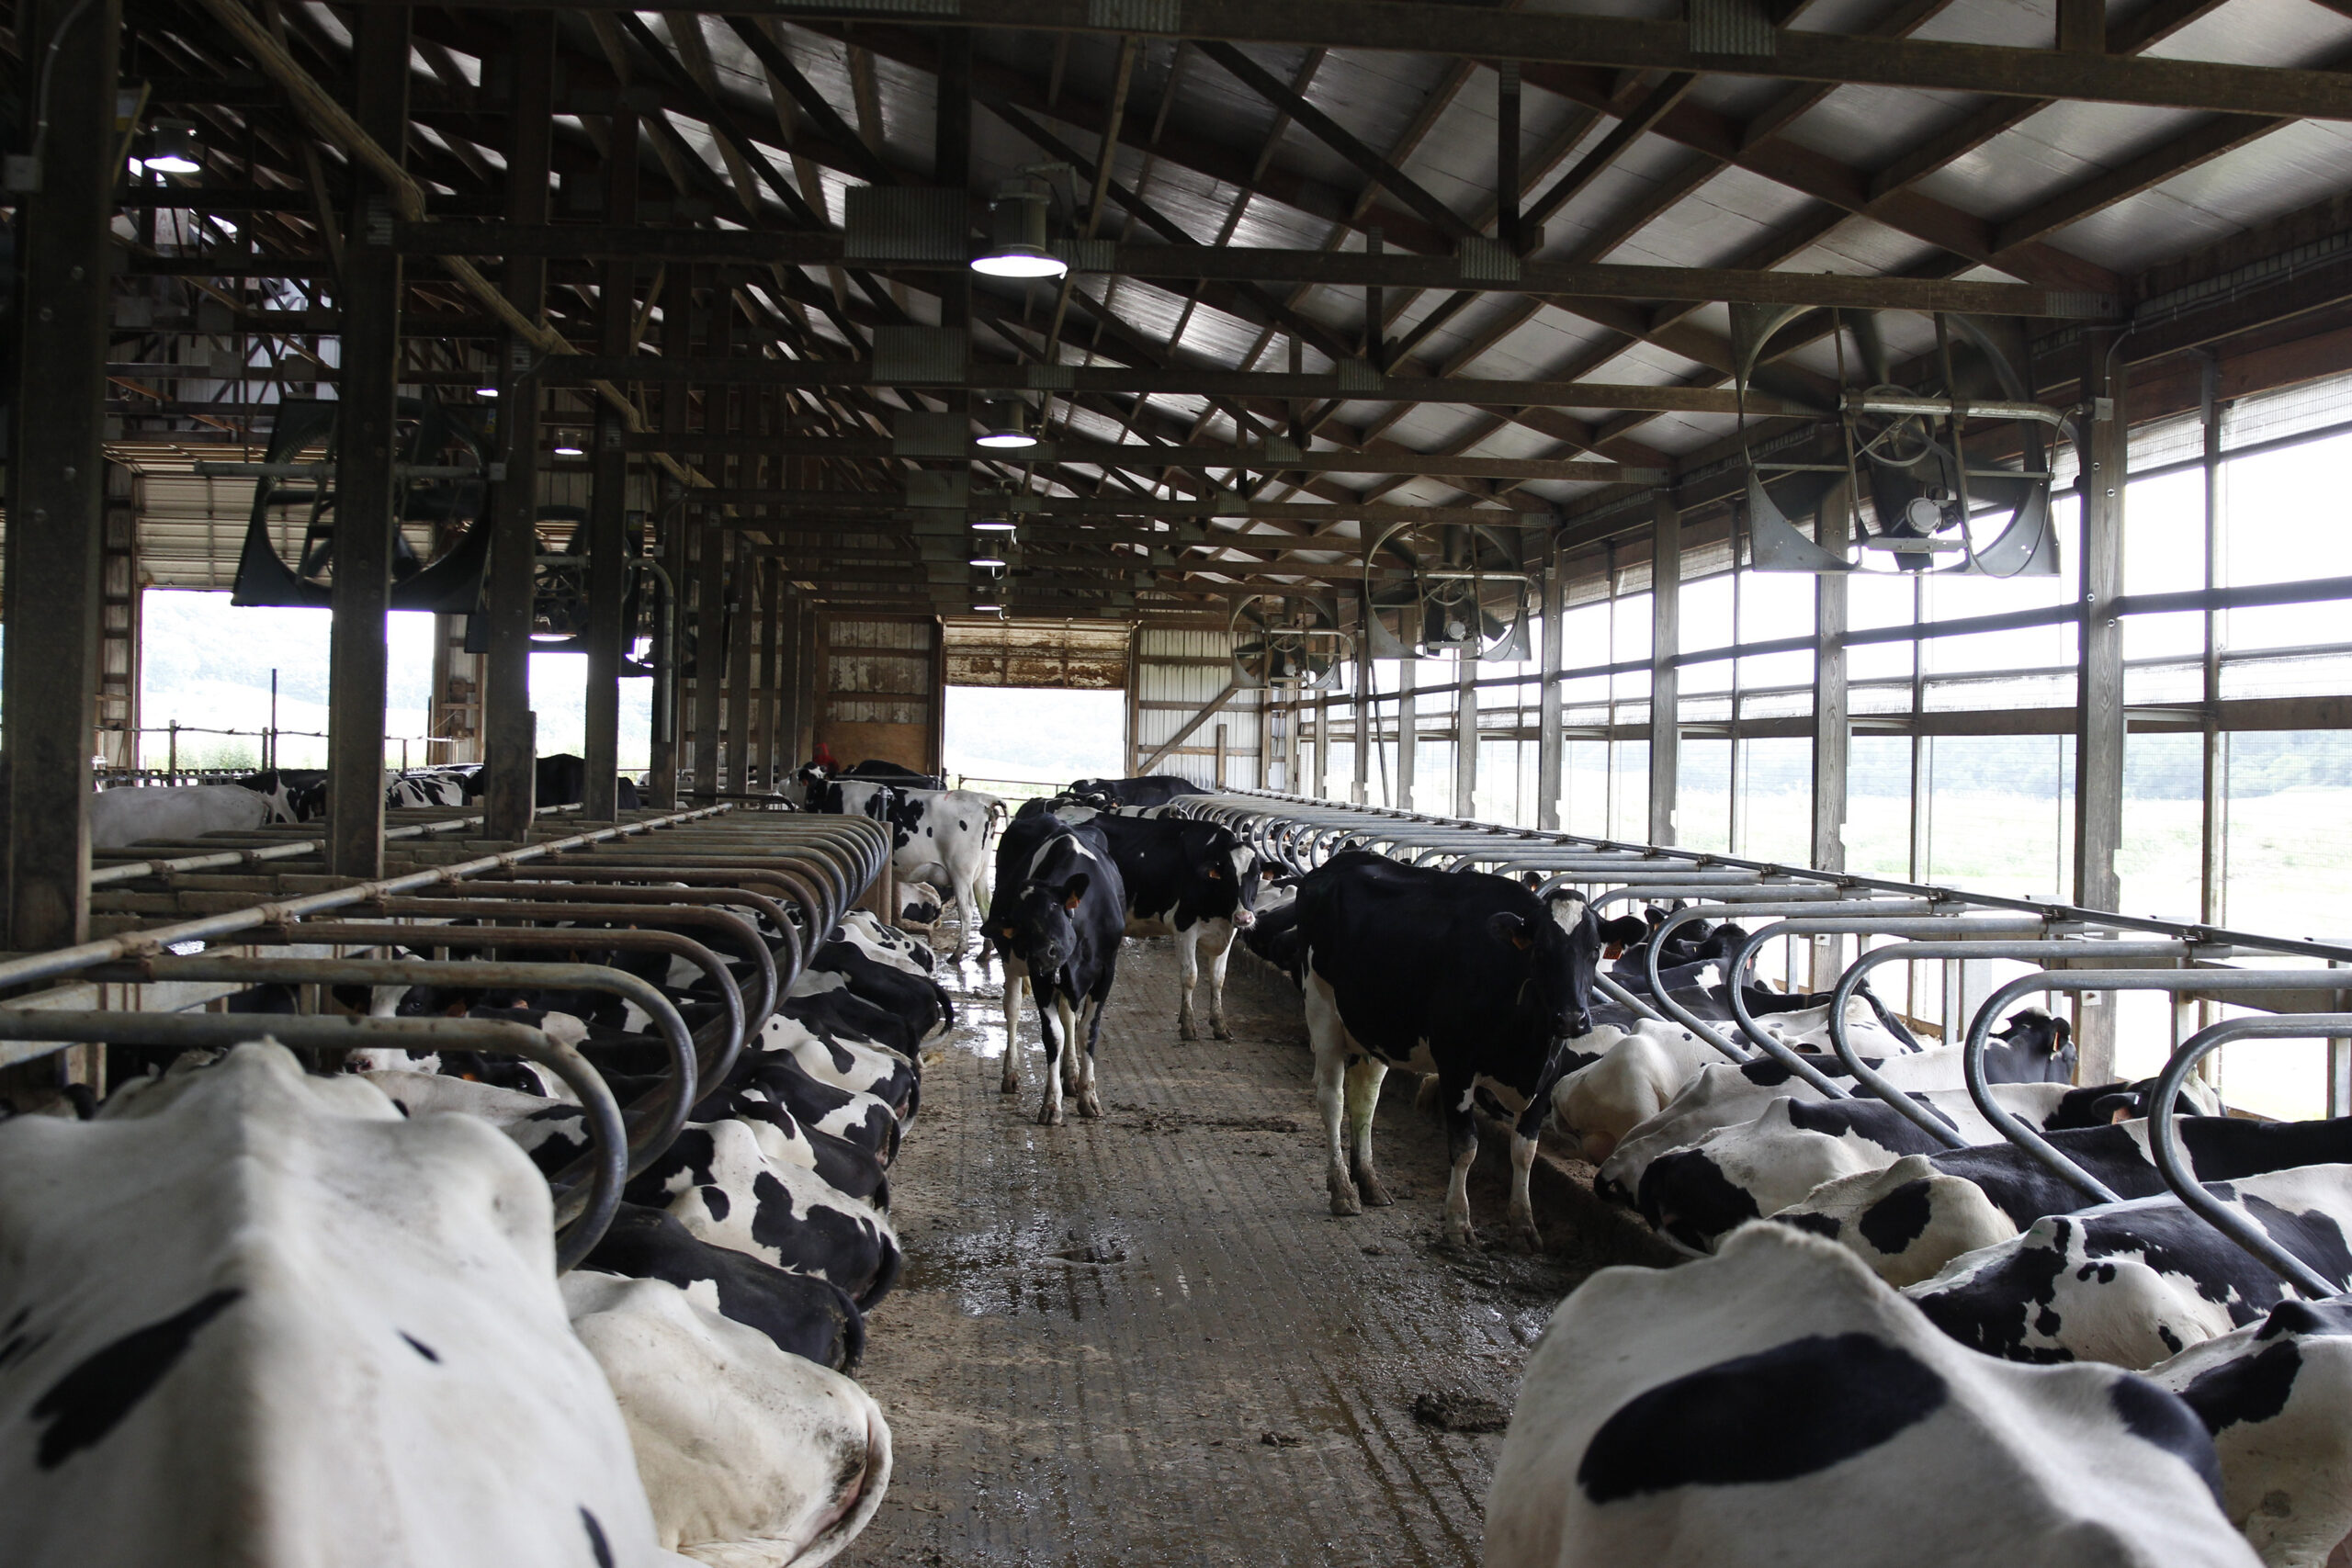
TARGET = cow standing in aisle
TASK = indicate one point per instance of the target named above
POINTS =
(1192, 880)
(1060, 926)
(1460, 974)
(938, 836)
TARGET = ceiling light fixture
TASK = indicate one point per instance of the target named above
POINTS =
(567, 444)
(1004, 424)
(992, 525)
(979, 609)
(485, 392)
(175, 147)
(989, 562)
(1020, 233)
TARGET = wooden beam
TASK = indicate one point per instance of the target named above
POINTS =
(1215, 706)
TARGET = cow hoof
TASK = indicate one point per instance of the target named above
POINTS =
(1375, 1191)
(1461, 1238)
(1344, 1202)
(1051, 1116)
(1222, 1032)
(1009, 1084)
(1089, 1106)
(1526, 1238)
(1186, 1031)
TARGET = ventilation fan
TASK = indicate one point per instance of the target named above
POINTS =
(1433, 588)
(1288, 642)
(1906, 451)
(438, 491)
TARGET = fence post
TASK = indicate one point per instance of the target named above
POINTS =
(1220, 756)
(171, 757)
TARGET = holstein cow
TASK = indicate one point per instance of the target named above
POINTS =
(2138, 1283)
(1909, 1220)
(2274, 1397)
(560, 780)
(256, 1315)
(2033, 1047)
(425, 787)
(1193, 880)
(1157, 789)
(299, 794)
(938, 836)
(120, 818)
(1461, 974)
(1777, 1405)
(799, 1313)
(750, 1455)
(1060, 927)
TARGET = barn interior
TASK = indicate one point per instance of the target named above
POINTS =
(1864, 472)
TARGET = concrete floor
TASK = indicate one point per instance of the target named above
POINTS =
(1146, 1340)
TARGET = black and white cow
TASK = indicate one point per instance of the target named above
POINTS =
(2033, 1048)
(560, 780)
(253, 1314)
(2137, 1282)
(1059, 928)
(938, 836)
(1910, 1219)
(120, 818)
(1157, 789)
(917, 1000)
(1192, 880)
(1466, 975)
(427, 787)
(799, 1313)
(2274, 1396)
(298, 794)
(1777, 1405)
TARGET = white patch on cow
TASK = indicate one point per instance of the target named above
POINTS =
(120, 818)
(396, 1324)
(817, 982)
(750, 1454)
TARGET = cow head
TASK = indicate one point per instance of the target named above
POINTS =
(1037, 929)
(1228, 873)
(1563, 956)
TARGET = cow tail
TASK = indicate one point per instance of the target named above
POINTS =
(946, 1003)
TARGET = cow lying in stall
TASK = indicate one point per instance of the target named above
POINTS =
(1776, 1404)
(1462, 974)
(739, 1215)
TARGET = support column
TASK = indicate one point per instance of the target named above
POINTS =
(809, 694)
(1465, 735)
(510, 730)
(1547, 721)
(1367, 732)
(763, 770)
(1665, 641)
(56, 497)
(608, 495)
(1832, 732)
(710, 656)
(788, 675)
(2099, 684)
(744, 608)
(366, 512)
(1407, 725)
(1322, 772)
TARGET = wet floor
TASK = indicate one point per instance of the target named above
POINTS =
(1146, 1340)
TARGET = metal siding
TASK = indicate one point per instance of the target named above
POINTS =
(1068, 655)
(1173, 665)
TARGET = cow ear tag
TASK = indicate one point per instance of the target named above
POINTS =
(1613, 952)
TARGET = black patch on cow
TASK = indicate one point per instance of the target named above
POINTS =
(2248, 1388)
(421, 1348)
(1897, 1220)
(1687, 1194)
(2310, 1320)
(1788, 1411)
(714, 1198)
(2313, 1236)
(90, 1401)
(1993, 1308)
(2159, 1416)
(1819, 1225)
(597, 1543)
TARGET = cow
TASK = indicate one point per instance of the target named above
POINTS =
(1193, 880)
(255, 1314)
(1461, 974)
(2274, 1395)
(883, 944)
(2138, 1283)
(1910, 1219)
(798, 1312)
(918, 907)
(120, 818)
(1059, 930)
(749, 1454)
(560, 780)
(299, 794)
(864, 1120)
(425, 787)
(2034, 1048)
(1158, 789)
(853, 1065)
(918, 1001)
(724, 1190)
(937, 836)
(1776, 1403)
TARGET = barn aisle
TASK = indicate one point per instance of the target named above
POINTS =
(1145, 1340)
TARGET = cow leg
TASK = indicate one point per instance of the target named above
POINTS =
(1217, 987)
(1010, 1082)
(1188, 974)
(1523, 1233)
(1364, 1103)
(1049, 1111)
(1329, 1038)
(1089, 1103)
(1069, 1048)
(1462, 1145)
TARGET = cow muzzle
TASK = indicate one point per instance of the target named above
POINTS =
(1243, 920)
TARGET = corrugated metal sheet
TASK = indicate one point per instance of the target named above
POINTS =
(1070, 655)
(1180, 671)
(879, 672)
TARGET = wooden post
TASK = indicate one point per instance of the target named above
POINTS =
(710, 657)
(1831, 731)
(56, 499)
(1219, 774)
(1409, 726)
(366, 512)
(510, 733)
(1367, 732)
(1666, 631)
(743, 605)
(2098, 685)
(1465, 733)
